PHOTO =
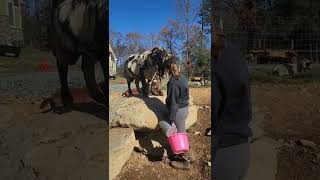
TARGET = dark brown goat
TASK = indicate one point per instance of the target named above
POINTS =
(79, 28)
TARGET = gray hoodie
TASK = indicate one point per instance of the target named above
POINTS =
(177, 95)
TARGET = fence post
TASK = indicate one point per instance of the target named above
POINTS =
(311, 57)
(259, 43)
(292, 44)
(317, 52)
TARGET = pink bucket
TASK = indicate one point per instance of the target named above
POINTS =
(179, 143)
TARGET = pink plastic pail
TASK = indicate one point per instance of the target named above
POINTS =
(179, 143)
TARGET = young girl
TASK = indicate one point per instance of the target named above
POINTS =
(177, 103)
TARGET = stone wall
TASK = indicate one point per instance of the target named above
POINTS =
(9, 34)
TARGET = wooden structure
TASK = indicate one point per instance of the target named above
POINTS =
(11, 32)
(271, 55)
(11, 22)
(112, 64)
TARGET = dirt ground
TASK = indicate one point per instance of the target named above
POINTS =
(292, 113)
(70, 143)
(140, 167)
(29, 61)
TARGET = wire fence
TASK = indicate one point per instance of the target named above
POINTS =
(281, 34)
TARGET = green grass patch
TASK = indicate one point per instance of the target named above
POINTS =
(307, 77)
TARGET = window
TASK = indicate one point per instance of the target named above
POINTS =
(16, 3)
(11, 16)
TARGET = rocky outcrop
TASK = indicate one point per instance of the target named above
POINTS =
(121, 144)
(142, 113)
(51, 146)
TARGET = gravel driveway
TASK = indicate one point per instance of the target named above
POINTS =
(118, 88)
(37, 85)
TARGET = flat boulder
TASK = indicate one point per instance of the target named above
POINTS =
(121, 144)
(51, 146)
(141, 113)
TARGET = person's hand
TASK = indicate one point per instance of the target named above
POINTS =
(172, 130)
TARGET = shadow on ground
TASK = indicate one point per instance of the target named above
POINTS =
(154, 104)
(90, 108)
(154, 142)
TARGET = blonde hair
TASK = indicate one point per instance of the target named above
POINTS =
(174, 70)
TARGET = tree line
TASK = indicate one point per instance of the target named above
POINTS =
(35, 22)
(187, 37)
(277, 19)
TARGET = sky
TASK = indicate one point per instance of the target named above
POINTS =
(143, 16)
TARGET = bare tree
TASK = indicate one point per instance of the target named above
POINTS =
(170, 34)
(117, 42)
(243, 19)
(245, 10)
(187, 14)
(152, 40)
(205, 16)
(134, 42)
(35, 20)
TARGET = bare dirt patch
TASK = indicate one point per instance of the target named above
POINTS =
(140, 167)
(292, 113)
(201, 96)
(72, 142)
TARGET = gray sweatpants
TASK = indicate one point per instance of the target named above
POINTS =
(231, 163)
(180, 121)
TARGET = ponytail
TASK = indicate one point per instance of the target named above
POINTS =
(171, 65)
(174, 71)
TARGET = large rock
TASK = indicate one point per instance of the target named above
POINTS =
(121, 144)
(142, 113)
(51, 146)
